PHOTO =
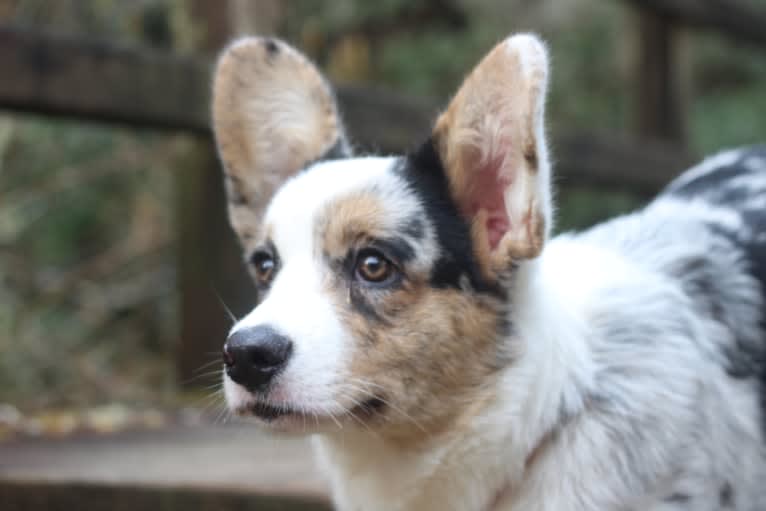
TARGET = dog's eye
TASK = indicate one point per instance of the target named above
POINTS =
(264, 265)
(372, 266)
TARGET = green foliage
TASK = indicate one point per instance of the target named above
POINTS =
(589, 86)
(86, 284)
(729, 105)
(580, 207)
(443, 61)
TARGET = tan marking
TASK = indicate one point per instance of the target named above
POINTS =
(346, 221)
(272, 114)
(426, 350)
(430, 356)
(492, 120)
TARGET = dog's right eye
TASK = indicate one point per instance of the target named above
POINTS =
(374, 267)
(264, 264)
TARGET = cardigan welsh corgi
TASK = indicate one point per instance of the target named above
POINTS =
(446, 353)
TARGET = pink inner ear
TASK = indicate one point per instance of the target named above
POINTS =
(487, 192)
(496, 228)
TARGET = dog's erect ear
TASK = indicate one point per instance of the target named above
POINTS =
(273, 113)
(492, 142)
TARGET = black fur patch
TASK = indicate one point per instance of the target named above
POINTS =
(425, 174)
(363, 306)
(397, 249)
(271, 46)
(678, 498)
(728, 187)
(745, 360)
(726, 495)
(718, 186)
(415, 229)
(714, 184)
(756, 250)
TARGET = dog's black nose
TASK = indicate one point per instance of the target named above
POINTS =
(253, 356)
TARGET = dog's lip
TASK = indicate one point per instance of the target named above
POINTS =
(271, 412)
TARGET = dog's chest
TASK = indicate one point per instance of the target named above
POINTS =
(454, 475)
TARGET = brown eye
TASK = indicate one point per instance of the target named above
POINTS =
(264, 265)
(373, 267)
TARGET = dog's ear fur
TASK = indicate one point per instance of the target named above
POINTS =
(491, 140)
(273, 113)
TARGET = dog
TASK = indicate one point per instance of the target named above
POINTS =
(446, 353)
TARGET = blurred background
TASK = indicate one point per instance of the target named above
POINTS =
(116, 264)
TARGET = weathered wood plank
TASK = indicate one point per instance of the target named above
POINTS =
(54, 75)
(167, 466)
(616, 162)
(22, 496)
(96, 81)
(741, 20)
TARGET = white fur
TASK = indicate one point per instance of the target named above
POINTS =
(533, 56)
(296, 305)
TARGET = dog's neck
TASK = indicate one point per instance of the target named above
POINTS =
(476, 461)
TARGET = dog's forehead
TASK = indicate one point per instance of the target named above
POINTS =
(298, 205)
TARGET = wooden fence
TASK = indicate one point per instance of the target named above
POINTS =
(97, 81)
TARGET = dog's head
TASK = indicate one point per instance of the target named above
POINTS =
(383, 281)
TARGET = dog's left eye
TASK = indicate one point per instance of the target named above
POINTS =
(372, 266)
(264, 265)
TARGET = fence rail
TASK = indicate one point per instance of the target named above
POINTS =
(740, 20)
(97, 81)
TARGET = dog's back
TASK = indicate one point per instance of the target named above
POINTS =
(675, 299)
(734, 184)
(707, 231)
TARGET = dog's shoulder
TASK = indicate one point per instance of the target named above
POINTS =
(694, 259)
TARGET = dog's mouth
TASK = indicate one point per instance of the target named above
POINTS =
(270, 413)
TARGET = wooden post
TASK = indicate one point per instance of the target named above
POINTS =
(661, 94)
(209, 263)
(209, 260)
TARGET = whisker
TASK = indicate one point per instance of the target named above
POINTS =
(205, 400)
(221, 414)
(355, 403)
(327, 411)
(207, 377)
(217, 360)
(208, 400)
(226, 308)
